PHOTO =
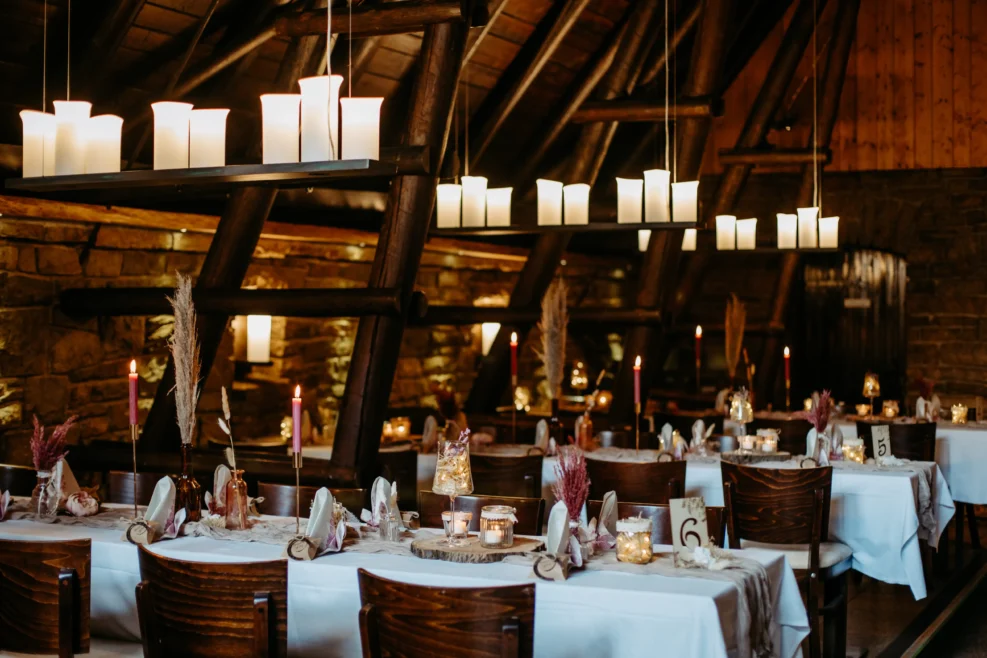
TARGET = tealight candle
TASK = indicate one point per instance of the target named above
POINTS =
(656, 194)
(808, 228)
(103, 144)
(746, 233)
(634, 540)
(38, 150)
(448, 203)
(388, 431)
(748, 442)
(474, 201)
(280, 126)
(890, 408)
(787, 231)
(402, 427)
(320, 117)
(460, 528)
(171, 134)
(499, 206)
(549, 202)
(689, 239)
(726, 232)
(829, 232)
(71, 121)
(685, 202)
(576, 201)
(497, 526)
(769, 444)
(629, 195)
(361, 128)
(207, 138)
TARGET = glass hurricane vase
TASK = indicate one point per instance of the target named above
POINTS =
(453, 476)
(188, 493)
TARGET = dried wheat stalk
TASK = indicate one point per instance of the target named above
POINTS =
(736, 317)
(184, 344)
(553, 326)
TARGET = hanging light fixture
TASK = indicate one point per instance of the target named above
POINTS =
(103, 144)
(629, 200)
(360, 116)
(787, 231)
(808, 228)
(474, 201)
(38, 151)
(746, 234)
(207, 138)
(320, 117)
(258, 338)
(726, 232)
(549, 202)
(689, 239)
(656, 192)
(829, 232)
(499, 206)
(576, 203)
(71, 121)
(448, 203)
(643, 239)
(488, 332)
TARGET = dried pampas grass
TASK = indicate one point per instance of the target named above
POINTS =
(736, 318)
(553, 327)
(184, 344)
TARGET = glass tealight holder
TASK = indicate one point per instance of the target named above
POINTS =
(747, 443)
(497, 526)
(807, 404)
(863, 409)
(401, 427)
(459, 529)
(634, 540)
(769, 444)
(890, 409)
(853, 450)
(959, 412)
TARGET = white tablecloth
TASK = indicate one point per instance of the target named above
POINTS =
(594, 613)
(874, 513)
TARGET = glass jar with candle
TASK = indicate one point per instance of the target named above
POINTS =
(748, 443)
(890, 408)
(634, 540)
(459, 529)
(959, 412)
(497, 526)
(853, 449)
(401, 427)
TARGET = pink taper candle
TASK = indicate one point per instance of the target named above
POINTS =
(296, 418)
(133, 392)
(637, 380)
(788, 364)
(514, 354)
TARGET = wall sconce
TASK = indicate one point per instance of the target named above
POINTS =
(689, 239)
(207, 138)
(746, 233)
(549, 202)
(71, 121)
(38, 150)
(656, 191)
(685, 202)
(258, 338)
(643, 240)
(488, 332)
(808, 228)
(787, 231)
(630, 193)
(448, 204)
(171, 126)
(829, 232)
(726, 232)
(280, 127)
(499, 206)
(474, 201)
(361, 128)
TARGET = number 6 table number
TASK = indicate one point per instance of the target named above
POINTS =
(689, 529)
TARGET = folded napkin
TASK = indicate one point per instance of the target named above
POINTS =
(700, 433)
(666, 437)
(383, 504)
(601, 534)
(679, 446)
(4, 503)
(216, 504)
(325, 531)
(67, 484)
(541, 435)
(480, 439)
(928, 409)
(836, 441)
(557, 539)
(160, 520)
(430, 435)
(721, 400)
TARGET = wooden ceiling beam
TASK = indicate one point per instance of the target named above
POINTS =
(465, 315)
(646, 111)
(376, 20)
(656, 64)
(770, 157)
(104, 44)
(482, 35)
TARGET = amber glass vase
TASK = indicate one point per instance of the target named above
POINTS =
(555, 429)
(236, 502)
(188, 493)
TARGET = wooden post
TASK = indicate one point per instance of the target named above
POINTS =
(704, 71)
(584, 166)
(398, 255)
(829, 95)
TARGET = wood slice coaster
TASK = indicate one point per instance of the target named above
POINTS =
(432, 548)
(738, 457)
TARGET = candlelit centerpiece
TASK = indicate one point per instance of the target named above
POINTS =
(453, 476)
(46, 454)
(872, 388)
(853, 449)
(959, 413)
(890, 409)
(634, 540)
(458, 529)
(497, 526)
(184, 346)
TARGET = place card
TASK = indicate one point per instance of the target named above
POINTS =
(881, 437)
(689, 529)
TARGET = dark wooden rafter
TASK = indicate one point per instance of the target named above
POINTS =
(388, 18)
(583, 166)
(656, 64)
(830, 90)
(225, 265)
(465, 315)
(104, 44)
(704, 71)
(482, 34)
(398, 255)
(770, 157)
(521, 74)
(646, 111)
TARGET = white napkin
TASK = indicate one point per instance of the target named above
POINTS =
(4, 503)
(836, 441)
(666, 437)
(936, 405)
(480, 439)
(430, 434)
(65, 478)
(922, 408)
(160, 514)
(557, 539)
(541, 435)
(608, 514)
(216, 504)
(679, 446)
(383, 503)
(325, 531)
(821, 452)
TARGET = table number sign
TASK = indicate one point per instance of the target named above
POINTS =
(881, 437)
(689, 529)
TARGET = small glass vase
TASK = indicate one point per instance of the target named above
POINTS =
(555, 430)
(188, 493)
(236, 502)
(44, 498)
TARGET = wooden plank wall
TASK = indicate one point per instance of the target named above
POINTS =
(915, 95)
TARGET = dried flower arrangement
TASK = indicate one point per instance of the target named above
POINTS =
(572, 480)
(734, 322)
(553, 326)
(819, 415)
(925, 387)
(226, 424)
(184, 345)
(48, 452)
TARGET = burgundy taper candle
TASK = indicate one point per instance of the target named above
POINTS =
(132, 377)
(296, 418)
(637, 380)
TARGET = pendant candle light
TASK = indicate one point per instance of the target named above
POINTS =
(689, 239)
(658, 182)
(630, 192)
(726, 232)
(787, 230)
(549, 202)
(38, 139)
(575, 202)
(103, 144)
(643, 240)
(746, 234)
(207, 138)
(360, 116)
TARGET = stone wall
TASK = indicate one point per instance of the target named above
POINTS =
(53, 366)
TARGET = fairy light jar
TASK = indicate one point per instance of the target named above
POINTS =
(634, 541)
(853, 450)
(497, 526)
(459, 529)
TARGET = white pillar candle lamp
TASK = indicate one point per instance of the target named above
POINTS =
(630, 193)
(576, 201)
(808, 228)
(689, 239)
(103, 144)
(448, 204)
(643, 240)
(207, 138)
(361, 128)
(656, 195)
(746, 233)
(787, 231)
(685, 202)
(38, 150)
(829, 232)
(499, 206)
(71, 121)
(280, 127)
(488, 332)
(726, 232)
(171, 134)
(320, 117)
(474, 201)
(549, 202)
(258, 338)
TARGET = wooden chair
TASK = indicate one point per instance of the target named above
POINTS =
(400, 619)
(44, 596)
(212, 610)
(661, 519)
(279, 499)
(638, 482)
(530, 512)
(120, 487)
(401, 466)
(514, 476)
(791, 432)
(18, 480)
(788, 510)
(915, 441)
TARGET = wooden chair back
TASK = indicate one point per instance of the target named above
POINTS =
(400, 619)
(915, 441)
(279, 499)
(530, 511)
(661, 519)
(120, 487)
(791, 432)
(401, 466)
(212, 610)
(18, 480)
(508, 475)
(637, 482)
(44, 596)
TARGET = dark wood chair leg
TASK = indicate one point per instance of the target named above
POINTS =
(510, 644)
(368, 631)
(812, 608)
(972, 519)
(835, 595)
(66, 613)
(145, 617)
(262, 626)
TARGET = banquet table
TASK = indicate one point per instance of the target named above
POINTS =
(594, 613)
